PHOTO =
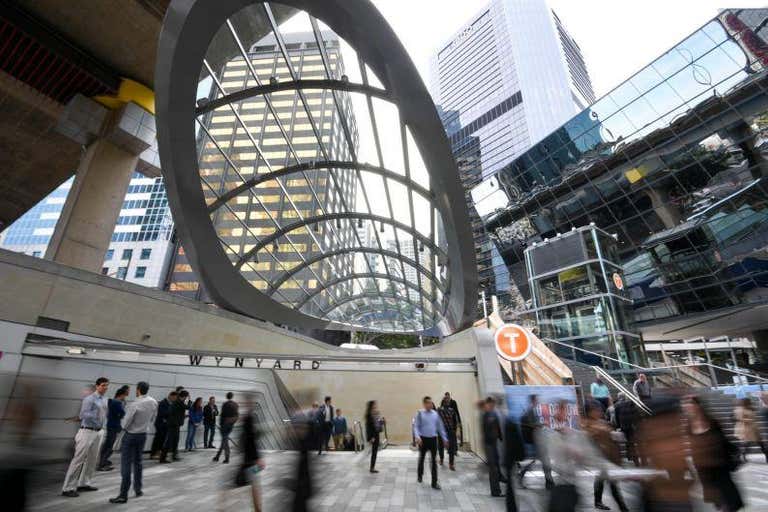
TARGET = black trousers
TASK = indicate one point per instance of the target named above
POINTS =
(494, 469)
(452, 448)
(510, 498)
(159, 440)
(326, 428)
(428, 444)
(226, 431)
(106, 447)
(208, 432)
(615, 491)
(171, 442)
(374, 450)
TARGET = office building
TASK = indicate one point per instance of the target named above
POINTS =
(242, 222)
(508, 77)
(140, 246)
(673, 163)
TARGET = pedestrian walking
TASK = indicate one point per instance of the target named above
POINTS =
(175, 421)
(531, 428)
(599, 431)
(210, 412)
(514, 452)
(747, 430)
(140, 414)
(115, 413)
(93, 413)
(373, 423)
(227, 420)
(600, 392)
(427, 426)
(492, 436)
(451, 423)
(642, 388)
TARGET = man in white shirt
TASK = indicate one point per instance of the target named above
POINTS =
(93, 413)
(139, 415)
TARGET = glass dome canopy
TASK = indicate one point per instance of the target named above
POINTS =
(307, 168)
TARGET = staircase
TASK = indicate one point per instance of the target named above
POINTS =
(721, 407)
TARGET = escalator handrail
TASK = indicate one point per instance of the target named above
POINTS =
(629, 394)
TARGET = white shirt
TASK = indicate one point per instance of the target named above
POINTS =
(139, 415)
(328, 412)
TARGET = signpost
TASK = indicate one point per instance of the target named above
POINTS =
(513, 342)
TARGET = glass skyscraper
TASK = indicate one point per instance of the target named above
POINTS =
(673, 163)
(246, 218)
(507, 78)
(139, 250)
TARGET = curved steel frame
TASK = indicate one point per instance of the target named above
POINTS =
(356, 275)
(352, 298)
(188, 28)
(308, 221)
(322, 165)
(344, 250)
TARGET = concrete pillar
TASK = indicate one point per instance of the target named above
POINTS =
(668, 213)
(117, 144)
(84, 229)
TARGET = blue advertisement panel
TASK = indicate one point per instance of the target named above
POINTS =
(518, 401)
(748, 390)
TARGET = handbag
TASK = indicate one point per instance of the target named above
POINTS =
(563, 498)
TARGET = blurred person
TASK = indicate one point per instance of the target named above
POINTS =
(193, 423)
(253, 463)
(451, 423)
(599, 431)
(139, 415)
(569, 451)
(427, 426)
(115, 413)
(325, 424)
(747, 430)
(626, 414)
(514, 452)
(161, 423)
(227, 420)
(600, 392)
(304, 424)
(315, 433)
(660, 440)
(210, 412)
(531, 427)
(339, 429)
(642, 388)
(492, 435)
(93, 413)
(19, 451)
(372, 430)
(714, 456)
(175, 421)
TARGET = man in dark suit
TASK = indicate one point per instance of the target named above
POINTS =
(492, 434)
(175, 420)
(325, 422)
(514, 452)
(229, 414)
(161, 423)
(210, 411)
(452, 403)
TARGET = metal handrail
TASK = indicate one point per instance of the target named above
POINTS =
(360, 440)
(651, 370)
(630, 395)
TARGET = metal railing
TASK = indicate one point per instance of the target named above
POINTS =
(656, 369)
(629, 394)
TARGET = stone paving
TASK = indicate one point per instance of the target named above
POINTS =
(342, 484)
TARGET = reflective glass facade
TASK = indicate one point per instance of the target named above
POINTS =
(505, 80)
(673, 162)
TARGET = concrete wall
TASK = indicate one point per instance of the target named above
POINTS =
(106, 308)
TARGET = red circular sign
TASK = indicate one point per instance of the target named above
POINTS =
(513, 343)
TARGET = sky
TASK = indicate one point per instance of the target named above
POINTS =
(617, 37)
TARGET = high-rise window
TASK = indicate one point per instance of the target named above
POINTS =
(122, 272)
(104, 270)
(127, 254)
(140, 272)
(146, 253)
(110, 254)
